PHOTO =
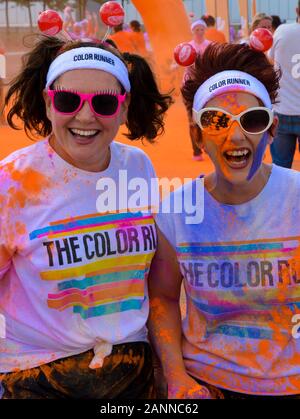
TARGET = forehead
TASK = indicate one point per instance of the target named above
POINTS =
(198, 27)
(235, 102)
(265, 22)
(88, 80)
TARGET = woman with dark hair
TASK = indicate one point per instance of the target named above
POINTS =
(260, 20)
(240, 265)
(74, 252)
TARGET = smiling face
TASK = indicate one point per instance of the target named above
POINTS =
(199, 32)
(232, 151)
(265, 23)
(83, 139)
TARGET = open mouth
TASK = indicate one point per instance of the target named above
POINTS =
(83, 134)
(239, 158)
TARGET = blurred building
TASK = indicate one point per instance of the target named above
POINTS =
(19, 16)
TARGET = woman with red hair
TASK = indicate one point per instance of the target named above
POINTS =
(240, 264)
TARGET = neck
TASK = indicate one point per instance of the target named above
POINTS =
(100, 164)
(199, 39)
(230, 194)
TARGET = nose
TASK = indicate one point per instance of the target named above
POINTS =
(235, 134)
(85, 114)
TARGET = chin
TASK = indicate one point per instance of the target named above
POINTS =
(238, 178)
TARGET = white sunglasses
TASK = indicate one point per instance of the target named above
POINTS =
(215, 121)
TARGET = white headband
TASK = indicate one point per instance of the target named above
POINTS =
(91, 58)
(197, 23)
(230, 81)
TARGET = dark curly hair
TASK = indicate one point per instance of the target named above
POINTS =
(25, 95)
(222, 57)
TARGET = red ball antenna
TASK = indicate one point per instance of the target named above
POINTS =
(185, 54)
(261, 39)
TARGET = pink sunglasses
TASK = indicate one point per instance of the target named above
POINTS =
(105, 105)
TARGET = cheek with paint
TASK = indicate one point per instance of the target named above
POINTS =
(258, 156)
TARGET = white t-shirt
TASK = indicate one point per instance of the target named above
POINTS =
(200, 48)
(71, 278)
(286, 54)
(241, 273)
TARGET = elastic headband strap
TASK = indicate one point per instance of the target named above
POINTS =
(230, 81)
(88, 58)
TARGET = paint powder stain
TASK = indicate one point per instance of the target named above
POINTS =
(69, 175)
(157, 308)
(265, 348)
(2, 200)
(20, 228)
(4, 255)
(165, 335)
(295, 383)
(29, 185)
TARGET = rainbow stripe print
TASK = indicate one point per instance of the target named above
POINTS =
(101, 261)
(234, 284)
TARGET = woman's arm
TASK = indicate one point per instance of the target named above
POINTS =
(165, 322)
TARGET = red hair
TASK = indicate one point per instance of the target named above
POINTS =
(222, 57)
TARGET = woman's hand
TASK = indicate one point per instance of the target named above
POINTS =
(185, 387)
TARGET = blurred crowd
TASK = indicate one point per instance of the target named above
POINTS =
(133, 38)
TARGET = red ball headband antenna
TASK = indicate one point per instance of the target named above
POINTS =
(50, 23)
(261, 39)
(185, 54)
(112, 14)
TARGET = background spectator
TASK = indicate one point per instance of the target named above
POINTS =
(123, 39)
(262, 20)
(212, 33)
(284, 53)
(137, 37)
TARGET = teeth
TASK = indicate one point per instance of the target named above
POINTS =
(238, 153)
(85, 133)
